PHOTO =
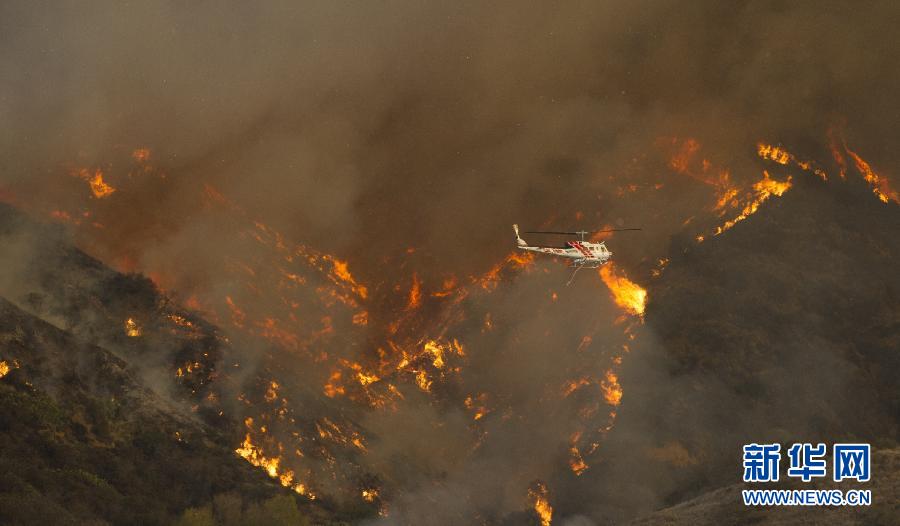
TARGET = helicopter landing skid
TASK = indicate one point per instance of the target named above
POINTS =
(578, 266)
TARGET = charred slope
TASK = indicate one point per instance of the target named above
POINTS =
(724, 505)
(83, 441)
(95, 424)
(784, 329)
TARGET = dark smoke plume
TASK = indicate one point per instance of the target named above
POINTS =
(405, 138)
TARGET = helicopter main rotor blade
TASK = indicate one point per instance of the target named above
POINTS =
(550, 232)
(580, 232)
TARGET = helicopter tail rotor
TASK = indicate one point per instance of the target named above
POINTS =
(519, 241)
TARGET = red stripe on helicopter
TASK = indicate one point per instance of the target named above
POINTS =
(580, 248)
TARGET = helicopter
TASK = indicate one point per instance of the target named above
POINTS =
(582, 253)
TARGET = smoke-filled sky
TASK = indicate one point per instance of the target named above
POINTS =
(405, 138)
(352, 124)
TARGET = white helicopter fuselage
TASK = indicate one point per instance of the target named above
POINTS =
(582, 253)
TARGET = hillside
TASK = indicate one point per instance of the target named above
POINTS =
(89, 435)
(784, 329)
(723, 506)
(760, 332)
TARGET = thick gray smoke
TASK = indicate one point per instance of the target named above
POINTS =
(374, 130)
(435, 125)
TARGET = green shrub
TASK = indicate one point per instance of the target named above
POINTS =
(196, 517)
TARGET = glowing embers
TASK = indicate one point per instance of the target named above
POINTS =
(5, 367)
(373, 496)
(612, 390)
(661, 264)
(515, 260)
(538, 498)
(477, 405)
(414, 301)
(132, 329)
(424, 364)
(576, 461)
(370, 494)
(432, 354)
(628, 295)
(141, 155)
(99, 187)
(332, 432)
(188, 368)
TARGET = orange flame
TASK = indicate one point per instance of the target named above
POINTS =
(774, 153)
(574, 385)
(517, 260)
(253, 454)
(537, 495)
(98, 186)
(370, 494)
(478, 405)
(141, 155)
(627, 294)
(415, 294)
(612, 391)
(681, 160)
(132, 330)
(879, 184)
(272, 391)
(762, 190)
(783, 157)
(576, 461)
(836, 152)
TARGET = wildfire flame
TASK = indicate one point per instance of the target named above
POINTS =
(253, 454)
(612, 391)
(783, 157)
(879, 184)
(491, 278)
(729, 194)
(132, 330)
(370, 494)
(478, 405)
(4, 368)
(836, 151)
(95, 181)
(576, 461)
(537, 495)
(409, 347)
(628, 295)
(415, 294)
(762, 191)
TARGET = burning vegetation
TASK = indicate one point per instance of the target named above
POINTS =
(421, 337)
(99, 188)
(417, 345)
(627, 295)
(537, 494)
(311, 264)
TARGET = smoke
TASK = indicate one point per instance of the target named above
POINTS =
(406, 138)
(344, 125)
